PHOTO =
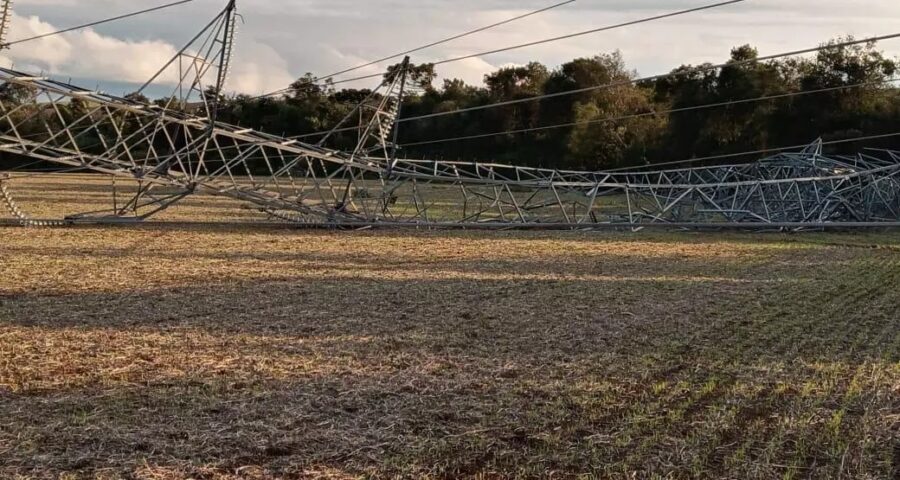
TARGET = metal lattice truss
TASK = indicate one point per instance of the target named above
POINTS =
(5, 14)
(175, 154)
(803, 188)
(177, 148)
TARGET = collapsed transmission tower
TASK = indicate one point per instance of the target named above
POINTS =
(177, 148)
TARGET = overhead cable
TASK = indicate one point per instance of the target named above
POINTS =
(424, 47)
(539, 42)
(654, 113)
(98, 22)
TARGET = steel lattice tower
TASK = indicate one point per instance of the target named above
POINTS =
(177, 148)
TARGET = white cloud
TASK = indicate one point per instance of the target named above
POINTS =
(471, 70)
(257, 68)
(88, 54)
(283, 39)
(85, 53)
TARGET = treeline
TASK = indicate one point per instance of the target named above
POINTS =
(857, 98)
(845, 92)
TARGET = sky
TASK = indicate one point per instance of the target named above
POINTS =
(280, 40)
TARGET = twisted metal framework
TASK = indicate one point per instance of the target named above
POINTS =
(177, 147)
(5, 14)
(802, 188)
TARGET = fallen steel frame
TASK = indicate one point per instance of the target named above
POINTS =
(178, 148)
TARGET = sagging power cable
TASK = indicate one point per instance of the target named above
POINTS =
(654, 113)
(623, 83)
(752, 152)
(98, 22)
(419, 49)
(535, 43)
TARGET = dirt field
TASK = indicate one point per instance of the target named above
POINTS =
(220, 353)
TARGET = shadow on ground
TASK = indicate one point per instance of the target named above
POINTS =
(778, 364)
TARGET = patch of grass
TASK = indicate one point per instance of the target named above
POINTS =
(227, 353)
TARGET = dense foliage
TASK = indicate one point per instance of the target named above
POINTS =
(589, 139)
(848, 92)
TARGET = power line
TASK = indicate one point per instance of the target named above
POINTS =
(718, 157)
(99, 22)
(564, 37)
(423, 47)
(700, 68)
(754, 152)
(544, 41)
(596, 30)
(669, 111)
(450, 39)
(652, 113)
(706, 106)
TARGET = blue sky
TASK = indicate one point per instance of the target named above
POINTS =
(282, 39)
